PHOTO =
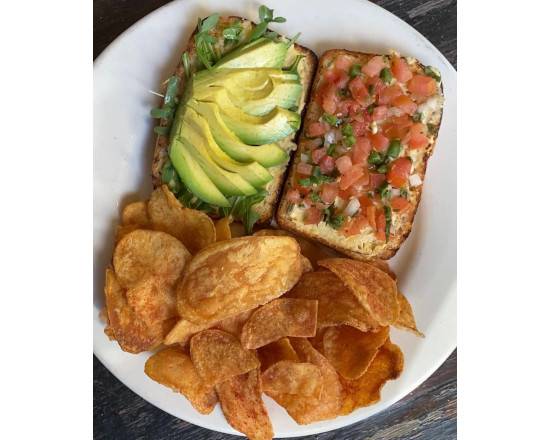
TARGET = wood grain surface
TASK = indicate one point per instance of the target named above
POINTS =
(428, 413)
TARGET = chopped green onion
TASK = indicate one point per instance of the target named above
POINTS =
(387, 215)
(432, 71)
(347, 130)
(331, 150)
(375, 158)
(382, 169)
(315, 197)
(316, 172)
(332, 120)
(394, 149)
(385, 75)
(305, 182)
(334, 221)
(355, 70)
(350, 140)
(404, 193)
(385, 190)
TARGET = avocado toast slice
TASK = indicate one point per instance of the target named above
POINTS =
(274, 156)
(356, 180)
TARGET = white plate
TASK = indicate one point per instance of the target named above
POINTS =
(143, 56)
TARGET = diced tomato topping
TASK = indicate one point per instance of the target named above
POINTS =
(398, 172)
(365, 202)
(371, 216)
(315, 129)
(400, 204)
(359, 128)
(303, 190)
(343, 163)
(328, 98)
(397, 127)
(312, 216)
(422, 85)
(416, 138)
(374, 66)
(310, 144)
(379, 113)
(400, 69)
(358, 90)
(405, 103)
(362, 181)
(379, 142)
(388, 94)
(381, 227)
(293, 196)
(343, 62)
(361, 150)
(317, 154)
(347, 194)
(304, 169)
(326, 164)
(351, 176)
(347, 107)
(356, 225)
(376, 84)
(376, 180)
(338, 77)
(329, 191)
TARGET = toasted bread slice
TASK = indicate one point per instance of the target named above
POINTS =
(364, 245)
(307, 67)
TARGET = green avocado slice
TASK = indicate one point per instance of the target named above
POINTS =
(262, 52)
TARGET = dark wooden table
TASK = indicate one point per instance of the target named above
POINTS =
(429, 412)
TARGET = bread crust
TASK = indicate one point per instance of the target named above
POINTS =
(384, 251)
(267, 207)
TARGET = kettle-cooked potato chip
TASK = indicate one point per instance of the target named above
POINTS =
(219, 356)
(123, 230)
(406, 319)
(135, 214)
(234, 324)
(351, 351)
(374, 289)
(143, 254)
(223, 229)
(243, 407)
(287, 377)
(279, 318)
(383, 266)
(193, 228)
(173, 368)
(337, 305)
(152, 300)
(280, 350)
(183, 330)
(131, 332)
(306, 410)
(364, 391)
(306, 264)
(230, 277)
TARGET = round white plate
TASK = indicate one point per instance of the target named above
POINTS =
(146, 54)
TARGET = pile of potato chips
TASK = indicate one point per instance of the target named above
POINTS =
(244, 316)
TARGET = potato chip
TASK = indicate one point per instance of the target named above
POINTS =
(142, 254)
(193, 228)
(131, 332)
(243, 407)
(306, 265)
(234, 324)
(152, 300)
(281, 317)
(374, 289)
(219, 356)
(364, 391)
(288, 377)
(181, 332)
(337, 304)
(123, 230)
(280, 350)
(351, 351)
(223, 231)
(306, 410)
(173, 368)
(237, 230)
(135, 214)
(230, 277)
(406, 319)
(383, 266)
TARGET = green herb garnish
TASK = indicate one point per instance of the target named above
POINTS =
(186, 64)
(332, 120)
(332, 219)
(315, 197)
(394, 149)
(162, 131)
(305, 182)
(387, 215)
(432, 71)
(347, 130)
(350, 140)
(331, 150)
(355, 70)
(266, 17)
(382, 169)
(162, 113)
(204, 41)
(385, 190)
(375, 158)
(385, 75)
(232, 33)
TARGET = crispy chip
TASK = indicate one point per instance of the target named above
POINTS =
(243, 407)
(173, 368)
(312, 251)
(230, 277)
(383, 266)
(387, 365)
(374, 289)
(131, 332)
(223, 231)
(193, 228)
(350, 351)
(306, 410)
(152, 300)
(135, 214)
(234, 324)
(142, 254)
(306, 265)
(406, 319)
(123, 230)
(219, 356)
(183, 330)
(281, 317)
(280, 350)
(337, 304)
(287, 377)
